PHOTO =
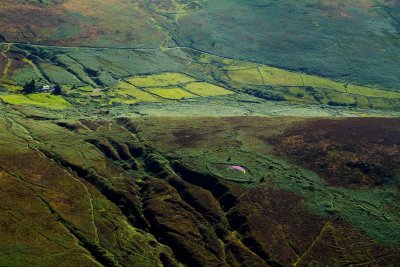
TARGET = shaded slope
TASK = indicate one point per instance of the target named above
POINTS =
(91, 220)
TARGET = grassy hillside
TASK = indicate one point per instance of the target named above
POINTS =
(126, 77)
(199, 133)
(79, 23)
(355, 41)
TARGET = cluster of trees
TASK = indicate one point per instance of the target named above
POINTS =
(314, 93)
(339, 104)
(267, 94)
(30, 88)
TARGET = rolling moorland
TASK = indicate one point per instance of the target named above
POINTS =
(129, 164)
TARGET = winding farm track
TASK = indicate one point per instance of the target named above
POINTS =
(137, 49)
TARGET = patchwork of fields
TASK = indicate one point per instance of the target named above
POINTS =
(302, 60)
(126, 76)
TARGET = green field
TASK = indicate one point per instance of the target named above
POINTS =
(171, 93)
(126, 89)
(206, 89)
(41, 100)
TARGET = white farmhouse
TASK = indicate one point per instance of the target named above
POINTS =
(47, 88)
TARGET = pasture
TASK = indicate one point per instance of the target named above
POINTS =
(40, 100)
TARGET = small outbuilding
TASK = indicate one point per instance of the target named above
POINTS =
(47, 89)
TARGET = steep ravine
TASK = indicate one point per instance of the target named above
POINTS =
(179, 211)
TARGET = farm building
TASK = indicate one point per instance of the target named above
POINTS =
(47, 89)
